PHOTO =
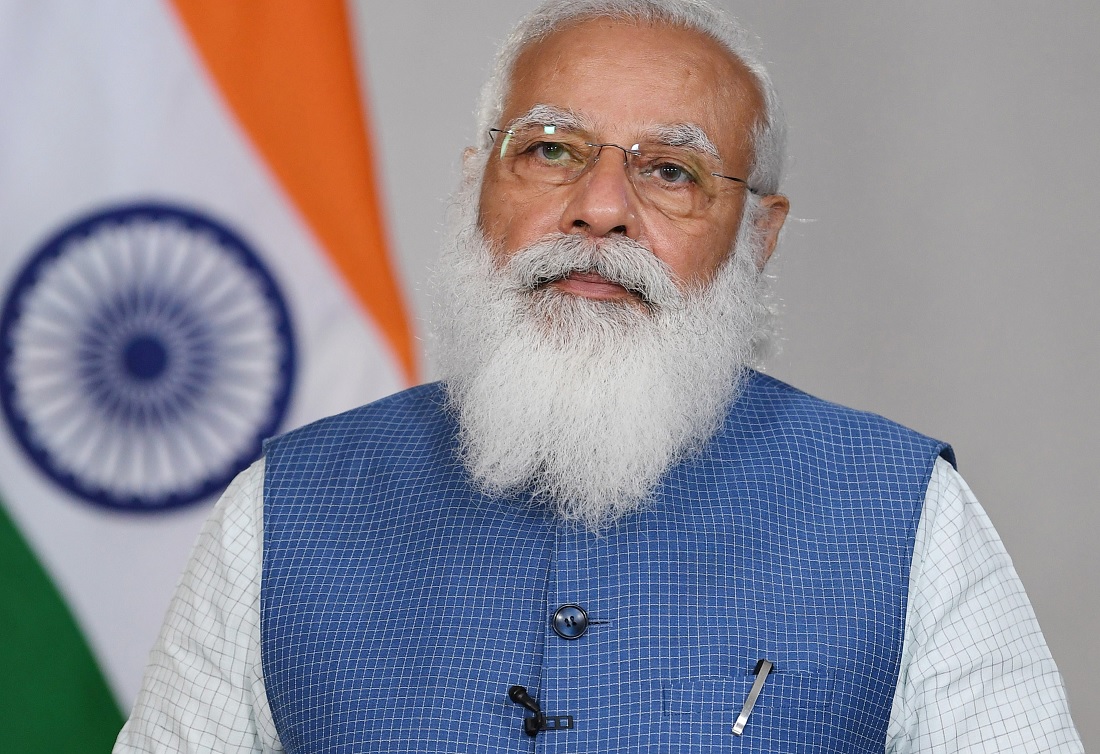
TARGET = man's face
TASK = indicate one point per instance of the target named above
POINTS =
(590, 329)
(624, 81)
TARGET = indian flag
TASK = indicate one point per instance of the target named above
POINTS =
(192, 258)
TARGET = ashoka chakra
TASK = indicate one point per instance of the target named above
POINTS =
(146, 352)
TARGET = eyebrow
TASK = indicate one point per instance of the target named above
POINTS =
(685, 135)
(542, 114)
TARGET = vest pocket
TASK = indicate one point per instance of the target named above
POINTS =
(790, 712)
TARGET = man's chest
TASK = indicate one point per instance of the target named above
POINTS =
(645, 638)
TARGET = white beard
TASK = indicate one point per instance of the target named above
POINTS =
(586, 404)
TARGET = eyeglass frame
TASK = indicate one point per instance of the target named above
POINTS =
(626, 152)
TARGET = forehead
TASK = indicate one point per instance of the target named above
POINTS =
(625, 77)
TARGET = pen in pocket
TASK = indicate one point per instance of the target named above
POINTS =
(763, 667)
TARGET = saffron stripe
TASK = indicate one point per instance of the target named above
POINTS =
(289, 78)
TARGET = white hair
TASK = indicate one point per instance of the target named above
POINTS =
(769, 133)
(585, 405)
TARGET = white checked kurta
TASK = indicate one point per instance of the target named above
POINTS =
(976, 674)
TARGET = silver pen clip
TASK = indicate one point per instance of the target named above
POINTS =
(763, 667)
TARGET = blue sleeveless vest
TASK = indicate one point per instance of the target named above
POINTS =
(399, 604)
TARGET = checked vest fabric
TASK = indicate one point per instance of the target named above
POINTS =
(399, 604)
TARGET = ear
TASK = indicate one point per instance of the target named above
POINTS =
(471, 166)
(773, 212)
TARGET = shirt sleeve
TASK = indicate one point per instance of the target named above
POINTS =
(976, 674)
(203, 689)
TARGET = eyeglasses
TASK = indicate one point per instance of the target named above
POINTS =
(678, 181)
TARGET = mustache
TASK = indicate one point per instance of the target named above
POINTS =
(620, 260)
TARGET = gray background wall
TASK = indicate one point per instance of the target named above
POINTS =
(942, 263)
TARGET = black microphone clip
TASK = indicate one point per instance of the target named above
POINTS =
(540, 722)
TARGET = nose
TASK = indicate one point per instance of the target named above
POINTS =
(602, 201)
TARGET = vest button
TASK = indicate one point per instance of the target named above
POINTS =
(570, 621)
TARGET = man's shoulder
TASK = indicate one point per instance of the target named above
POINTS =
(771, 399)
(773, 405)
(395, 419)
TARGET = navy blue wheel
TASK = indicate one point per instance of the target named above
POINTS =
(145, 352)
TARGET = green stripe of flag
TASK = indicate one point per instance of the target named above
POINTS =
(55, 698)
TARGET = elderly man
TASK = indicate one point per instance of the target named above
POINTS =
(603, 531)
